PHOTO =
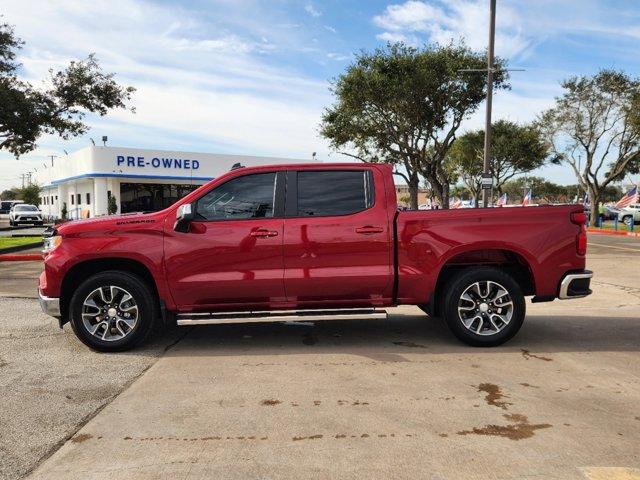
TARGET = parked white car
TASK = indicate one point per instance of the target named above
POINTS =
(25, 213)
(630, 214)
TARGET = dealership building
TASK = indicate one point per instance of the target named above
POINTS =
(139, 180)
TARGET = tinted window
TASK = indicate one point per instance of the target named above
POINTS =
(250, 196)
(334, 192)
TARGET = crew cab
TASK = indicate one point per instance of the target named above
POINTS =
(321, 240)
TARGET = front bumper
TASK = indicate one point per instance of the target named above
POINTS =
(49, 305)
(575, 285)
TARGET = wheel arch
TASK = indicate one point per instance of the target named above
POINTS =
(84, 269)
(511, 261)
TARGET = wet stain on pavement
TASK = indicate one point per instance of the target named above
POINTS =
(527, 355)
(310, 437)
(519, 429)
(83, 437)
(410, 344)
(529, 385)
(270, 402)
(494, 395)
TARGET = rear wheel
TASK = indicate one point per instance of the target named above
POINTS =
(628, 220)
(484, 306)
(112, 311)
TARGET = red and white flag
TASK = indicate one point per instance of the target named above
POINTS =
(502, 201)
(457, 203)
(527, 199)
(630, 197)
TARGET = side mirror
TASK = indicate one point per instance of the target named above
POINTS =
(184, 215)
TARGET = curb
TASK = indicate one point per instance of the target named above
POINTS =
(20, 248)
(598, 231)
(25, 257)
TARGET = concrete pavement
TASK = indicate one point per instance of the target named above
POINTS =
(386, 399)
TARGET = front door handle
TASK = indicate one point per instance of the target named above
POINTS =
(264, 233)
(368, 230)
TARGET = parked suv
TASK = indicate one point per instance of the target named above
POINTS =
(24, 213)
(7, 205)
(629, 214)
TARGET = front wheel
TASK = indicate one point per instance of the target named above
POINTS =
(112, 311)
(484, 306)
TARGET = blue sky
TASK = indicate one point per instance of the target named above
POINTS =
(252, 77)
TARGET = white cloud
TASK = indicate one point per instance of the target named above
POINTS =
(311, 10)
(444, 21)
(330, 28)
(213, 85)
(338, 56)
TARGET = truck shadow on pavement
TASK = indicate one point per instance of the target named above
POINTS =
(388, 340)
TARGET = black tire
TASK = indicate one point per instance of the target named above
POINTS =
(12, 223)
(465, 280)
(627, 220)
(143, 296)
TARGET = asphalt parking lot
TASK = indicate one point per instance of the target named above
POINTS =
(362, 399)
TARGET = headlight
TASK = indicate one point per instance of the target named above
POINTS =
(50, 243)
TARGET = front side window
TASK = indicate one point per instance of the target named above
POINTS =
(322, 193)
(250, 196)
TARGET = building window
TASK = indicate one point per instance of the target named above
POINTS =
(150, 197)
(72, 199)
(56, 198)
(88, 199)
(78, 199)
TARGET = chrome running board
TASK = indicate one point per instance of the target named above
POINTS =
(280, 316)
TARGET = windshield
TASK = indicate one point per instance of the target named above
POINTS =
(25, 208)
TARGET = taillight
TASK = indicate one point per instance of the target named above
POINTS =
(580, 219)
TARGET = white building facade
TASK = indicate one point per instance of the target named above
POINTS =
(138, 179)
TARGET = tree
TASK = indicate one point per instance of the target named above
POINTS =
(595, 129)
(112, 206)
(30, 194)
(403, 105)
(63, 211)
(10, 194)
(515, 150)
(27, 112)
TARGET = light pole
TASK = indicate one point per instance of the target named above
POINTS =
(487, 181)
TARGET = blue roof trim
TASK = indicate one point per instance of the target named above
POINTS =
(132, 175)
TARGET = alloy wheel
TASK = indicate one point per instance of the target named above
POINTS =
(485, 308)
(109, 313)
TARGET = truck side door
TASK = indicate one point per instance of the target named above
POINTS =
(231, 257)
(338, 243)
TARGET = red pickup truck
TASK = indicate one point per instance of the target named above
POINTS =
(310, 241)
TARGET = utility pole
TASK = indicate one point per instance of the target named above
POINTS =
(486, 175)
(52, 157)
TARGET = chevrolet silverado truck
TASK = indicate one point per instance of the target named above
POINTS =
(273, 243)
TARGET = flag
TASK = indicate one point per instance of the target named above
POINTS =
(457, 203)
(502, 201)
(527, 199)
(630, 197)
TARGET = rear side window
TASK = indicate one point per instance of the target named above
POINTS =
(250, 196)
(336, 192)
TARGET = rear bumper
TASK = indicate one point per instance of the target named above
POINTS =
(575, 285)
(50, 306)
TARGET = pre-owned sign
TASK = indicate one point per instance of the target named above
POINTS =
(157, 162)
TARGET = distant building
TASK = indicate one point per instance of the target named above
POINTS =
(139, 179)
(402, 192)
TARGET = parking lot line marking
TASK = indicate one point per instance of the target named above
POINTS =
(613, 246)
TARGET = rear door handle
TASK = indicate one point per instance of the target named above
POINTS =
(368, 230)
(264, 233)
